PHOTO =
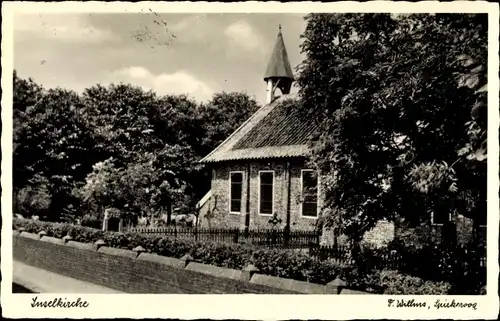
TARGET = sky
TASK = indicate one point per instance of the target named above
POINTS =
(194, 54)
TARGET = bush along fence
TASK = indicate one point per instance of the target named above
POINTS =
(462, 265)
(392, 258)
(260, 237)
(277, 262)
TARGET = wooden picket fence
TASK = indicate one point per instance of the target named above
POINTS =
(336, 253)
(262, 237)
(341, 254)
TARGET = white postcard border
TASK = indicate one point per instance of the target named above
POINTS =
(246, 306)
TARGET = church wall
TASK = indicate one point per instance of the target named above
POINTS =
(217, 214)
(220, 216)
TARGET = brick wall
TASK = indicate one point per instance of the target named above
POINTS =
(385, 231)
(135, 272)
(219, 201)
(465, 228)
(462, 226)
(467, 232)
(220, 196)
(418, 234)
(381, 234)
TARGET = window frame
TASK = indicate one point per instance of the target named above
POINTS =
(302, 194)
(440, 224)
(272, 193)
(230, 194)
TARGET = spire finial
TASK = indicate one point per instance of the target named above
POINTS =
(279, 28)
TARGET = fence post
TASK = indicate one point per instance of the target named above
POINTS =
(273, 237)
(236, 235)
(286, 235)
(313, 251)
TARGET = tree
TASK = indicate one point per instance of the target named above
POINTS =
(119, 115)
(115, 146)
(25, 93)
(148, 186)
(222, 115)
(53, 144)
(393, 95)
(131, 124)
(34, 198)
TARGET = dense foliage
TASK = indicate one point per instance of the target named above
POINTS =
(393, 282)
(462, 267)
(400, 101)
(114, 147)
(275, 262)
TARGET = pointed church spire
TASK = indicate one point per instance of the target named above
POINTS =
(279, 65)
(278, 73)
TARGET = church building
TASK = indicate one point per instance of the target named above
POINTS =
(259, 171)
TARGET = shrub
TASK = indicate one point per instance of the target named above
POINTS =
(359, 279)
(33, 199)
(289, 264)
(393, 282)
(91, 221)
(59, 230)
(458, 265)
(224, 255)
(274, 262)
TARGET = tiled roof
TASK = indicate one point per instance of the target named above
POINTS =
(281, 127)
(272, 132)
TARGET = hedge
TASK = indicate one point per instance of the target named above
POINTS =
(393, 282)
(460, 265)
(274, 262)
